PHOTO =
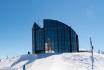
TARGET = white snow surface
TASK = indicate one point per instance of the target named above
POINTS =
(64, 61)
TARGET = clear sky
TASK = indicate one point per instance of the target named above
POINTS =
(86, 17)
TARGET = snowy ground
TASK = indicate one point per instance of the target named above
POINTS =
(65, 61)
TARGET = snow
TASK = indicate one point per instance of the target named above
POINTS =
(84, 50)
(51, 61)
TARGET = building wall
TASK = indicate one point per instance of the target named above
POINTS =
(56, 36)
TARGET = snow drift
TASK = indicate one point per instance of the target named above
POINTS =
(65, 61)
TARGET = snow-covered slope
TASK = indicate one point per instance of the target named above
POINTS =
(65, 61)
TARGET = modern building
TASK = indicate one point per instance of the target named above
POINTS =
(54, 37)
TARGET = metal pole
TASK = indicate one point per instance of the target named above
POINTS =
(24, 68)
(92, 57)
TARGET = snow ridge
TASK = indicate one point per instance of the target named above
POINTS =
(64, 61)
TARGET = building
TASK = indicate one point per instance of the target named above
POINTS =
(54, 37)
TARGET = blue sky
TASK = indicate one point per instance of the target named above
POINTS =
(86, 17)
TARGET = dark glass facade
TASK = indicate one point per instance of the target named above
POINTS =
(54, 37)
